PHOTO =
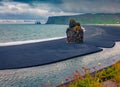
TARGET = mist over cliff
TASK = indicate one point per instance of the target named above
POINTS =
(98, 18)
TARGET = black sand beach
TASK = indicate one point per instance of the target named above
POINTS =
(41, 53)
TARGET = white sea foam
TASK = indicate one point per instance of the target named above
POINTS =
(29, 41)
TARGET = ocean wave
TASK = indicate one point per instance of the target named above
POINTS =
(29, 41)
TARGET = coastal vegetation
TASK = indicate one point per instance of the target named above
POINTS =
(97, 79)
(106, 77)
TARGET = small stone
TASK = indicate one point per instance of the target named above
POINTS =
(99, 64)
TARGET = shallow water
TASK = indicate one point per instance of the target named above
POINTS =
(57, 72)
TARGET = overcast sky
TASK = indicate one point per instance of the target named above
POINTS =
(46, 8)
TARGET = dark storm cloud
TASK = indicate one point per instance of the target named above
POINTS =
(79, 6)
(1, 4)
(37, 1)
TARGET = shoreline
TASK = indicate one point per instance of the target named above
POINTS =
(29, 41)
(56, 49)
(59, 70)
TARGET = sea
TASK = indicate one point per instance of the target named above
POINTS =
(13, 34)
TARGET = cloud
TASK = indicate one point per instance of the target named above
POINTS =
(42, 9)
(16, 8)
(37, 1)
(73, 6)
(91, 6)
(45, 8)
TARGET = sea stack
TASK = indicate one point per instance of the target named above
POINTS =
(37, 22)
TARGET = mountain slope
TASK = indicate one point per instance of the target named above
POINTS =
(99, 18)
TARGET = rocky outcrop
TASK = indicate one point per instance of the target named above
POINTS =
(37, 22)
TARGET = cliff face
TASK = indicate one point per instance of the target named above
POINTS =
(58, 20)
(100, 18)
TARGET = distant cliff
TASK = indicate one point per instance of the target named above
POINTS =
(99, 18)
